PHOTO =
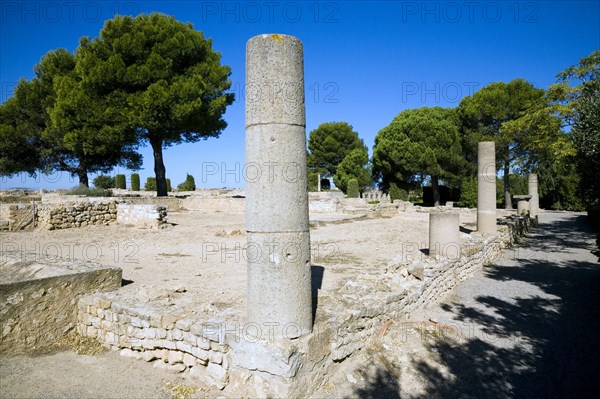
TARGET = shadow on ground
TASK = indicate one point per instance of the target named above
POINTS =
(555, 340)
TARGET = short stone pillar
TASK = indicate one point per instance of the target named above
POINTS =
(449, 204)
(444, 234)
(534, 202)
(486, 187)
(278, 250)
(522, 207)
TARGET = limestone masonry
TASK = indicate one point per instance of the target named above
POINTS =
(39, 300)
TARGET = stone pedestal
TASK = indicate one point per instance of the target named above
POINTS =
(278, 254)
(444, 234)
(486, 187)
(534, 202)
(522, 208)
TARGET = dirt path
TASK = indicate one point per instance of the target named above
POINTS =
(524, 327)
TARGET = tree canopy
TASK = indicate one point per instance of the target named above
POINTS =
(353, 166)
(484, 115)
(172, 82)
(329, 144)
(585, 100)
(419, 143)
(52, 124)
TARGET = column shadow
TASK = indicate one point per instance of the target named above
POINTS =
(316, 282)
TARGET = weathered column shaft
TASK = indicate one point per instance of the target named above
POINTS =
(534, 202)
(522, 208)
(278, 255)
(486, 187)
(444, 234)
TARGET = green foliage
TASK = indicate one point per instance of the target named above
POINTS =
(169, 185)
(486, 115)
(22, 120)
(89, 192)
(353, 191)
(468, 192)
(558, 186)
(312, 180)
(171, 80)
(418, 143)
(353, 166)
(135, 182)
(188, 185)
(59, 126)
(104, 182)
(586, 128)
(120, 181)
(397, 193)
(329, 144)
(150, 183)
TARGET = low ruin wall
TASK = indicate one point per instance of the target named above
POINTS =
(145, 216)
(16, 216)
(39, 301)
(222, 353)
(78, 214)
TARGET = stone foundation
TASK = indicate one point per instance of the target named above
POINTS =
(78, 214)
(39, 301)
(144, 216)
(16, 216)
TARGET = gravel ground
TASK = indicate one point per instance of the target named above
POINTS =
(525, 327)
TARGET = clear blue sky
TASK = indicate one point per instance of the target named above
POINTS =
(364, 61)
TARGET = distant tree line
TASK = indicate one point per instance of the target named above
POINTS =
(554, 132)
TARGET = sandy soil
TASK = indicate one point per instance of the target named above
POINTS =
(202, 252)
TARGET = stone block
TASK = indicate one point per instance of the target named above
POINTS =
(41, 298)
(278, 357)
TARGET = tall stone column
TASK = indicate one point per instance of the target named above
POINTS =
(486, 187)
(534, 202)
(278, 248)
(444, 234)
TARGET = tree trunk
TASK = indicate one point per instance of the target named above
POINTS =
(83, 178)
(436, 191)
(507, 198)
(159, 166)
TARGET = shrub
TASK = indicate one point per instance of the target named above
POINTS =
(312, 180)
(89, 192)
(135, 182)
(120, 181)
(151, 184)
(188, 185)
(168, 185)
(353, 188)
(397, 193)
(104, 182)
(468, 192)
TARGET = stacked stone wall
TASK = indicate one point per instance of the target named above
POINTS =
(78, 214)
(39, 301)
